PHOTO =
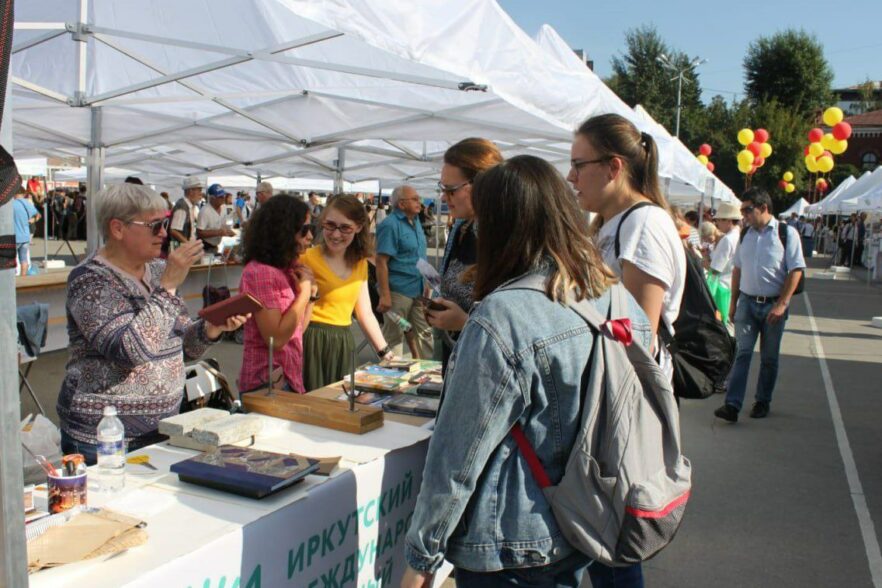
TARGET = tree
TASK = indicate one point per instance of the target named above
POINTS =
(789, 67)
(870, 98)
(639, 78)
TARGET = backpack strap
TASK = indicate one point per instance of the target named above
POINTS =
(743, 234)
(624, 218)
(782, 235)
(539, 473)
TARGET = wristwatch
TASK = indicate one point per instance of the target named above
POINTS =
(383, 352)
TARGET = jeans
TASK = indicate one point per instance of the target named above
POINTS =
(566, 573)
(808, 244)
(750, 323)
(608, 577)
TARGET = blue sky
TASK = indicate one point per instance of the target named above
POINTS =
(718, 31)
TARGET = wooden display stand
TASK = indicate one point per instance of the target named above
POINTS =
(312, 410)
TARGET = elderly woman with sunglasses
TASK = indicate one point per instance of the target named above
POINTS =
(277, 234)
(129, 332)
(340, 266)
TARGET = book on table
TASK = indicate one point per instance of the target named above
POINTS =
(244, 471)
(403, 365)
(413, 405)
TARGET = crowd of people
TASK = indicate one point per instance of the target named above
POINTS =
(510, 357)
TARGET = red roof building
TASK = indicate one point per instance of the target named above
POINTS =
(865, 145)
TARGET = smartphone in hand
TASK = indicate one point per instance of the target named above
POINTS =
(430, 304)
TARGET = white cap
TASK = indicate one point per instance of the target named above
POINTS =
(109, 410)
(192, 182)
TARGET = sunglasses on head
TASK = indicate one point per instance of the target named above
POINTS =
(156, 227)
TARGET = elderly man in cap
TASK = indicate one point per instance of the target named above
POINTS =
(211, 224)
(723, 256)
(185, 212)
(264, 193)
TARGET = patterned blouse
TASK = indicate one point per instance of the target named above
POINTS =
(276, 289)
(127, 349)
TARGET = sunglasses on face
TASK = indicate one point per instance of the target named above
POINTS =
(747, 209)
(450, 190)
(156, 227)
(306, 229)
(344, 229)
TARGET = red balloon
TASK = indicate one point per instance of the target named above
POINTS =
(755, 148)
(822, 185)
(710, 166)
(705, 150)
(815, 135)
(782, 184)
(805, 151)
(842, 131)
(761, 135)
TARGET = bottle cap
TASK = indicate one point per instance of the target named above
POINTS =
(109, 411)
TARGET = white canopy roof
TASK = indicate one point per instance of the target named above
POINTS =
(865, 197)
(848, 199)
(799, 207)
(821, 207)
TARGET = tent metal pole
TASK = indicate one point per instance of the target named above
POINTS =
(94, 181)
(13, 553)
(340, 164)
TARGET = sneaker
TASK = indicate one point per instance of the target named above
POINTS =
(760, 410)
(727, 412)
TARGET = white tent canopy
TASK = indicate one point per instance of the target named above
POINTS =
(821, 206)
(845, 200)
(799, 207)
(866, 197)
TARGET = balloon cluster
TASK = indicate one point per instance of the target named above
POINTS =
(786, 182)
(822, 185)
(823, 146)
(756, 150)
(704, 153)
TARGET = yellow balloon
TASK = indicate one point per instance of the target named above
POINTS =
(765, 150)
(745, 169)
(745, 158)
(745, 137)
(702, 159)
(825, 163)
(816, 150)
(790, 188)
(833, 116)
(788, 176)
(811, 164)
(839, 147)
(828, 141)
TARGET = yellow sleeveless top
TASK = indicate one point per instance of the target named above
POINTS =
(337, 297)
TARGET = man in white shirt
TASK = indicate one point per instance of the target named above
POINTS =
(723, 255)
(211, 224)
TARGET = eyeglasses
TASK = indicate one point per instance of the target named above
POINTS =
(747, 209)
(306, 229)
(156, 227)
(343, 229)
(450, 190)
(578, 164)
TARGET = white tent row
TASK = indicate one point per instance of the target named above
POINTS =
(870, 199)
(799, 207)
(688, 178)
(850, 198)
(824, 206)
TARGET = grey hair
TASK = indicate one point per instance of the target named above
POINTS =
(397, 193)
(125, 202)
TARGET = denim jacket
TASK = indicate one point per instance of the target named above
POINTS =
(519, 359)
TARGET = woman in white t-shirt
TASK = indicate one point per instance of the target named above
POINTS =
(614, 170)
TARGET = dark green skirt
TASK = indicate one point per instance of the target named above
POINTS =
(327, 352)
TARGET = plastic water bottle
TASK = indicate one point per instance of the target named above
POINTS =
(399, 320)
(111, 452)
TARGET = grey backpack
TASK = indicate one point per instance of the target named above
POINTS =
(626, 483)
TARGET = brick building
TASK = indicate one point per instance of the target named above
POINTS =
(865, 145)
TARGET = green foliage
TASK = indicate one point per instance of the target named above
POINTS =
(639, 78)
(870, 98)
(789, 67)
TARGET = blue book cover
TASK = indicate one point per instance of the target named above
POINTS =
(244, 471)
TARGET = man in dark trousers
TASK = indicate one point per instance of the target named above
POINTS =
(768, 267)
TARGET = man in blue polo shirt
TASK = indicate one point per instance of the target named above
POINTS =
(23, 214)
(764, 279)
(401, 243)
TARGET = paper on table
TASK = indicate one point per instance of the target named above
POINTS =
(143, 502)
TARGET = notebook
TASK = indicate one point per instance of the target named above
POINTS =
(244, 471)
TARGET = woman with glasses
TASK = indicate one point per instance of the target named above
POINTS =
(129, 331)
(614, 171)
(462, 163)
(340, 267)
(277, 234)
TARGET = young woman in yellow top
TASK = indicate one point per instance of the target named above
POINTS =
(340, 267)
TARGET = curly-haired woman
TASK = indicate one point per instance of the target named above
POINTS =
(278, 232)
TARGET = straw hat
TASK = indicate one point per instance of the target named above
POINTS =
(728, 211)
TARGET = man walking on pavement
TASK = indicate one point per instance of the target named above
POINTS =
(768, 267)
(807, 234)
(401, 243)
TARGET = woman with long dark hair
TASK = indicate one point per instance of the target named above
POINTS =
(520, 359)
(277, 234)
